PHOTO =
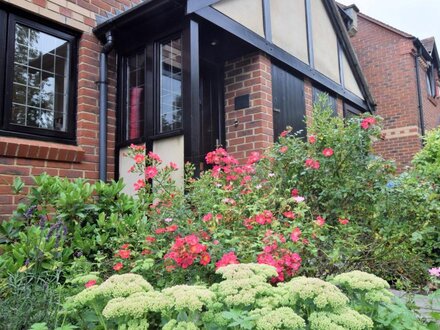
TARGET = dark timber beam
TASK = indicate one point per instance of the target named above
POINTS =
(194, 5)
(191, 93)
(277, 53)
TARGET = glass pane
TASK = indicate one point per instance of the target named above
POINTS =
(48, 63)
(20, 74)
(32, 117)
(170, 86)
(18, 114)
(40, 71)
(135, 95)
(19, 94)
(62, 50)
(21, 54)
(60, 66)
(46, 119)
(33, 97)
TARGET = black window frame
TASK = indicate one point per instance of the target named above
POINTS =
(8, 20)
(332, 98)
(430, 82)
(157, 92)
(350, 110)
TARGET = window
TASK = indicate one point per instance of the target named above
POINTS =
(331, 99)
(430, 81)
(351, 111)
(135, 71)
(170, 82)
(39, 81)
(151, 93)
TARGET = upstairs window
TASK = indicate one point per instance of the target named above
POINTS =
(39, 81)
(430, 81)
(331, 100)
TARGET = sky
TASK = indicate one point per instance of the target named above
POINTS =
(420, 18)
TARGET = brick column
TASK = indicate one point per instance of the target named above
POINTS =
(249, 129)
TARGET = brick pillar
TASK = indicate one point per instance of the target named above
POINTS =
(249, 129)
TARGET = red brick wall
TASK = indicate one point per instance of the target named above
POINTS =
(431, 108)
(249, 129)
(387, 60)
(24, 158)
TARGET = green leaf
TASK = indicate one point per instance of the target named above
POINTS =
(39, 326)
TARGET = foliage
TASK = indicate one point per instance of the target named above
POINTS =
(427, 161)
(245, 300)
(27, 298)
(63, 220)
(369, 295)
(242, 300)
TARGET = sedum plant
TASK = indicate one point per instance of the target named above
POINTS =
(370, 295)
(242, 299)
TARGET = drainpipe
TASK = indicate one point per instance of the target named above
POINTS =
(103, 104)
(419, 92)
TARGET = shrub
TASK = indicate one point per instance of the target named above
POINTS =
(427, 161)
(245, 300)
(27, 298)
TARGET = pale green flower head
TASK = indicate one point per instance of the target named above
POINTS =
(242, 291)
(174, 325)
(280, 318)
(135, 306)
(185, 297)
(83, 298)
(345, 319)
(241, 271)
(124, 285)
(357, 280)
(312, 291)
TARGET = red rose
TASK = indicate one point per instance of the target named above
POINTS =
(124, 254)
(90, 283)
(327, 152)
(118, 266)
(343, 221)
(205, 259)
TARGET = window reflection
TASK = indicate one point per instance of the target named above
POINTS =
(135, 95)
(40, 80)
(170, 86)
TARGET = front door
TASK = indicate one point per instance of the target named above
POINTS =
(211, 109)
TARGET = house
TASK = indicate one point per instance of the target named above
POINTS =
(82, 80)
(403, 74)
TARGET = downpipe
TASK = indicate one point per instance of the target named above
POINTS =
(103, 105)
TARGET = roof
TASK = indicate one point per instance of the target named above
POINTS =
(429, 44)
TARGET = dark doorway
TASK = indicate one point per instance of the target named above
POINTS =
(288, 102)
(211, 108)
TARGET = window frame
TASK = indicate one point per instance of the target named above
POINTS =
(8, 35)
(157, 82)
(351, 110)
(430, 82)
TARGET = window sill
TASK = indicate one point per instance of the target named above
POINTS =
(31, 149)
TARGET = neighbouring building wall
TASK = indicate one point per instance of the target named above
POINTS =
(387, 60)
(249, 129)
(431, 107)
(25, 158)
